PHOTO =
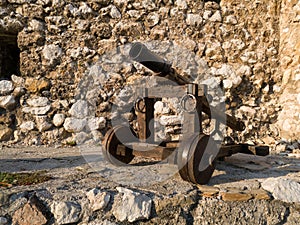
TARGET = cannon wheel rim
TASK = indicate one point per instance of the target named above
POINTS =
(183, 156)
(190, 157)
(111, 143)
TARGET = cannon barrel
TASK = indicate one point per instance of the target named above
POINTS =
(140, 53)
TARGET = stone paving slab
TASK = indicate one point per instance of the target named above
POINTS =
(75, 171)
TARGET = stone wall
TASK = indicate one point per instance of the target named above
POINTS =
(127, 206)
(62, 42)
(289, 117)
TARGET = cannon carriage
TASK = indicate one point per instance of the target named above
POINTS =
(196, 152)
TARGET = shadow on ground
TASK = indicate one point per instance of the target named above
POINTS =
(235, 168)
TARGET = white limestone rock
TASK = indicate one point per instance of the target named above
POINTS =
(96, 123)
(73, 10)
(283, 189)
(173, 104)
(216, 17)
(231, 19)
(19, 91)
(79, 109)
(298, 98)
(227, 84)
(236, 80)
(7, 102)
(97, 136)
(42, 123)
(170, 120)
(247, 110)
(99, 77)
(38, 101)
(181, 4)
(74, 125)
(6, 87)
(212, 82)
(27, 126)
(231, 79)
(98, 199)
(193, 19)
(12, 24)
(207, 14)
(80, 137)
(152, 19)
(238, 44)
(134, 13)
(213, 50)
(44, 2)
(37, 110)
(225, 70)
(51, 53)
(134, 206)
(115, 13)
(58, 119)
(66, 212)
(19, 81)
(244, 71)
(35, 25)
(161, 108)
(249, 57)
(85, 9)
(172, 130)
(162, 135)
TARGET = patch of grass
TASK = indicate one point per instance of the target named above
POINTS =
(23, 178)
(71, 143)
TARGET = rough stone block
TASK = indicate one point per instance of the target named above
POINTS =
(283, 189)
(66, 212)
(6, 87)
(134, 206)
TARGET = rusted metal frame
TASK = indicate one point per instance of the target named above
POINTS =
(153, 151)
(192, 121)
(114, 151)
(161, 153)
(145, 121)
(189, 126)
(255, 150)
(228, 150)
(167, 91)
(224, 118)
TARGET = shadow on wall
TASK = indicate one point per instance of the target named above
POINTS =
(260, 116)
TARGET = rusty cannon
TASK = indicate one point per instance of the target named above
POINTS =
(196, 152)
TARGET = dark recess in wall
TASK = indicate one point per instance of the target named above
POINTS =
(217, 1)
(9, 56)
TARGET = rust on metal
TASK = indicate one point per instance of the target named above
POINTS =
(113, 148)
(196, 153)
